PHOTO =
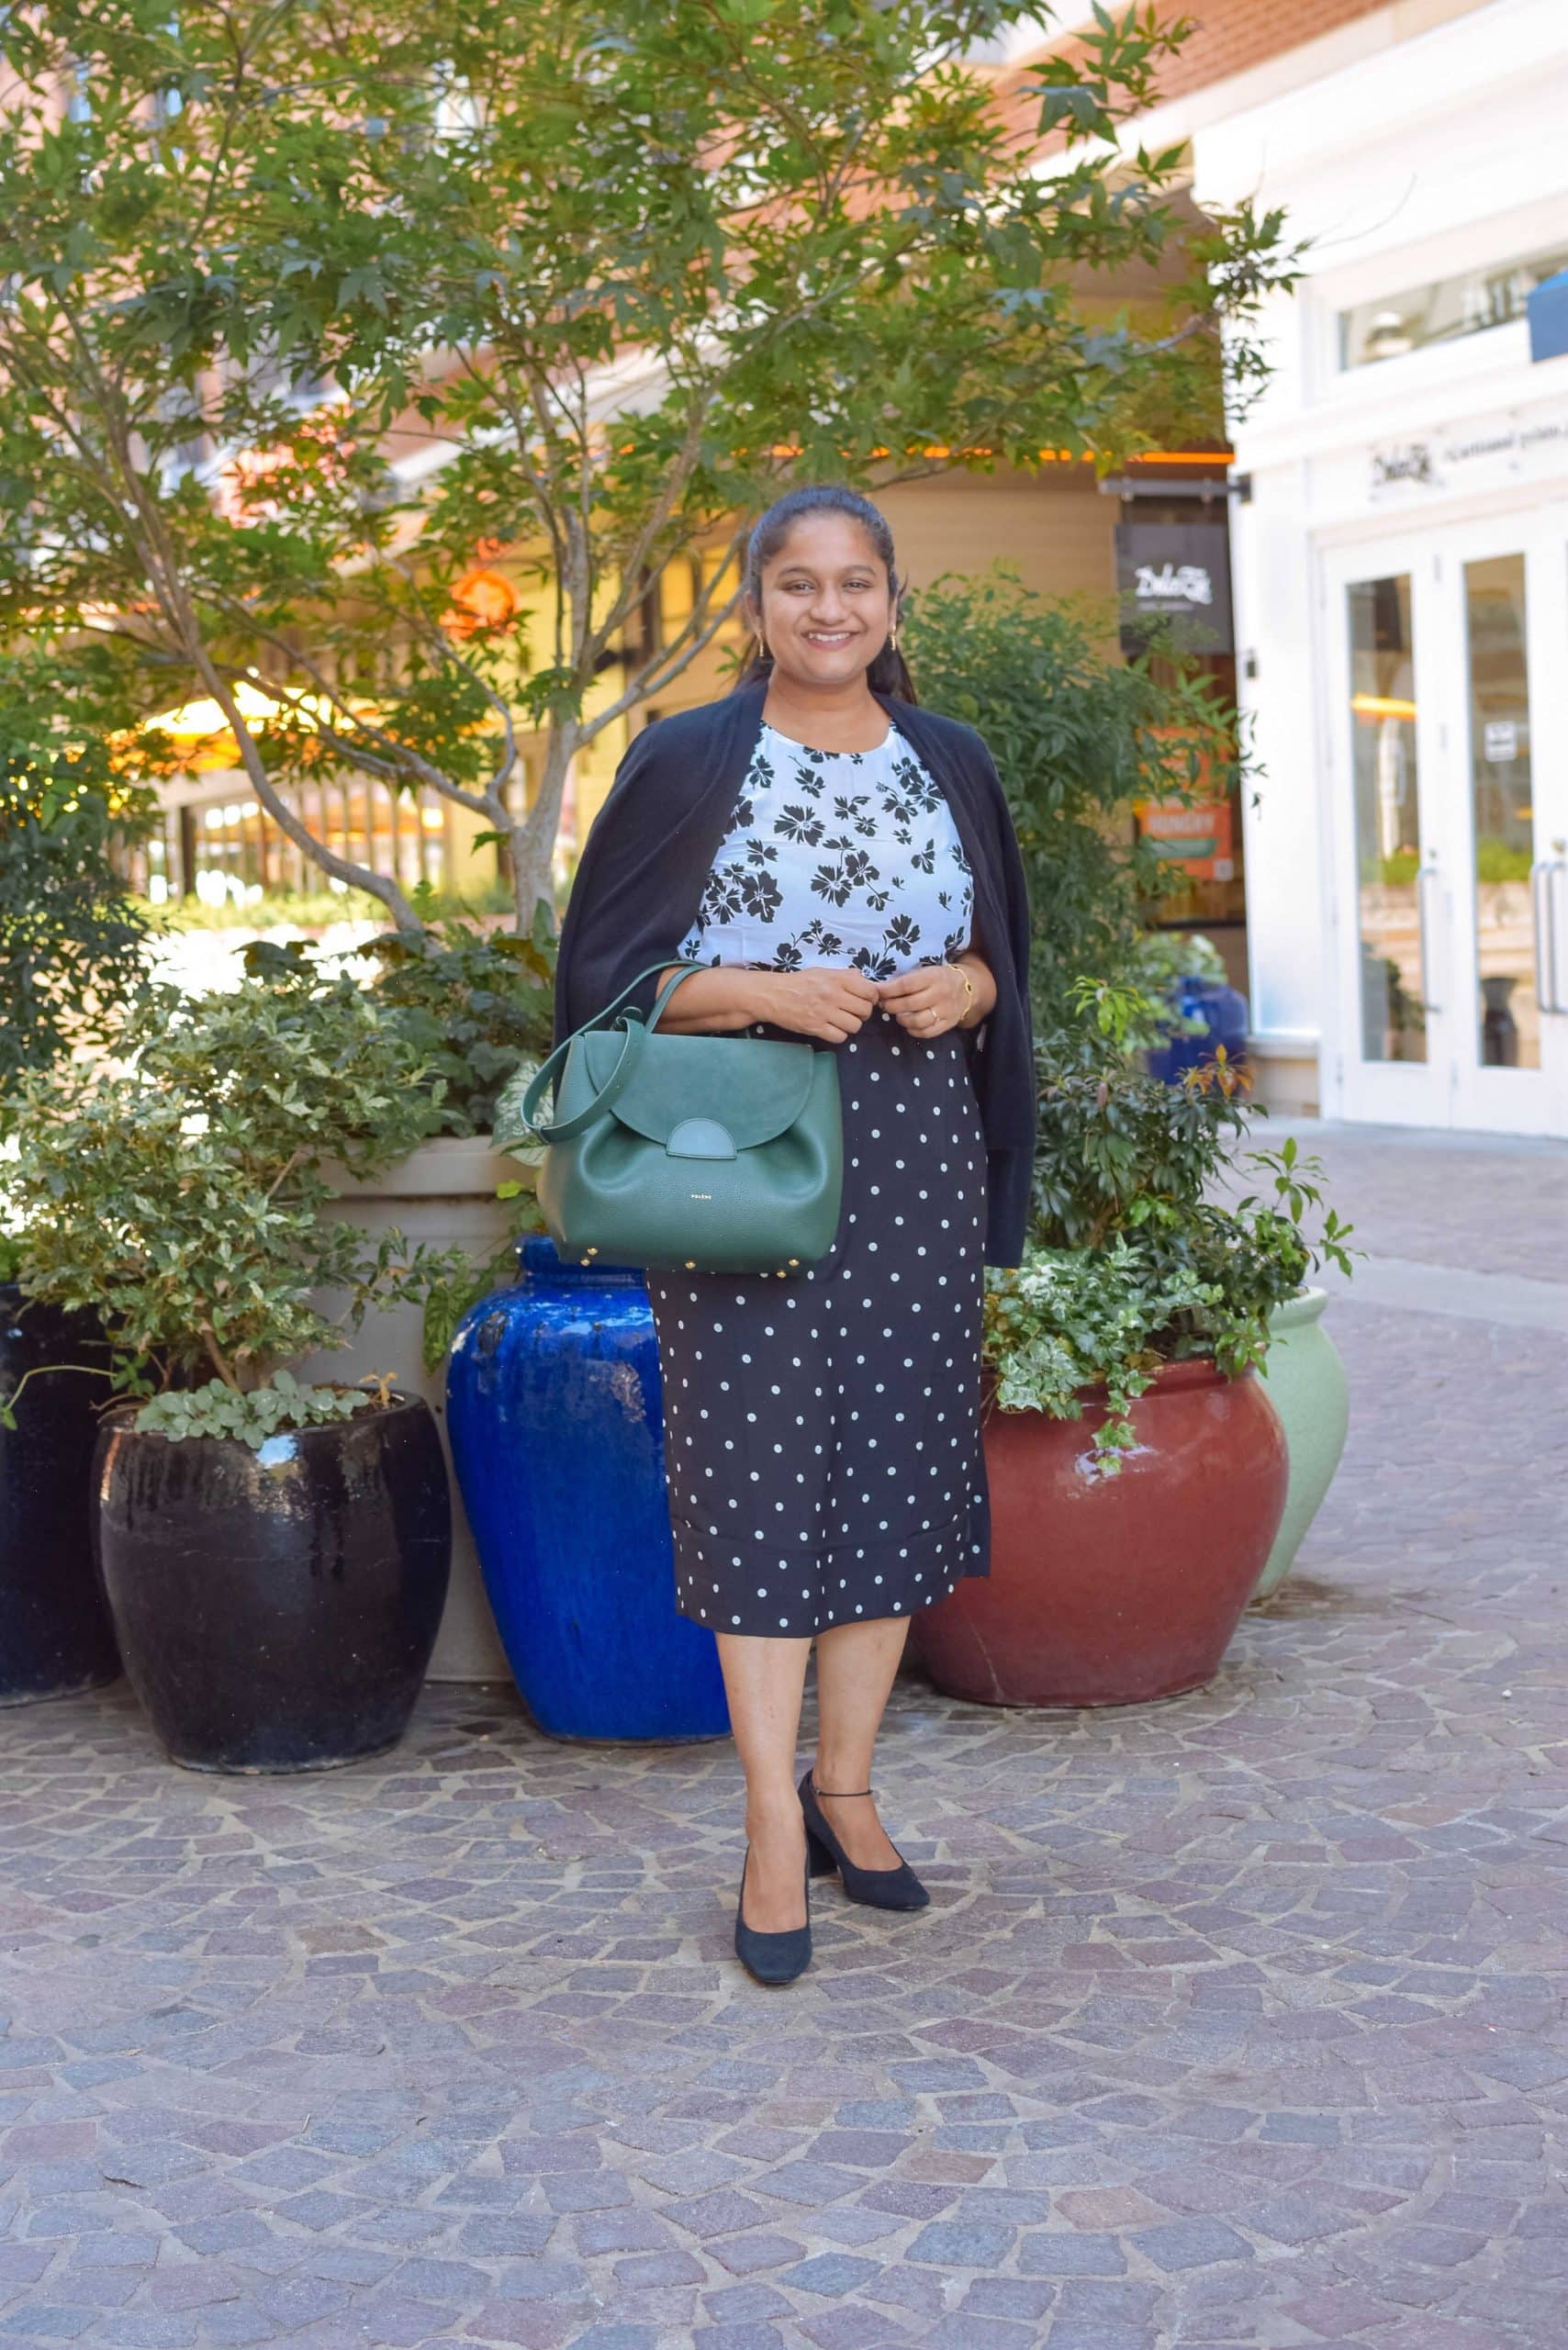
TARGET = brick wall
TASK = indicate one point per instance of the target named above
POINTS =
(1232, 35)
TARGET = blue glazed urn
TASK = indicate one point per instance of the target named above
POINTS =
(556, 1415)
(1222, 1010)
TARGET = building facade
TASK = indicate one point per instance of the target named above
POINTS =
(1400, 553)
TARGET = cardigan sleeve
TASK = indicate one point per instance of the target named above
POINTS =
(633, 895)
(1002, 1066)
(1009, 1025)
(1010, 868)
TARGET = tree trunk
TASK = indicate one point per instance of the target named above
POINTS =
(532, 841)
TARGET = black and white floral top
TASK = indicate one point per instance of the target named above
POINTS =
(835, 856)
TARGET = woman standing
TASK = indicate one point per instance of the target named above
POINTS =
(844, 864)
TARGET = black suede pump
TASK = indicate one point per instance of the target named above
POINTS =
(897, 1889)
(773, 1959)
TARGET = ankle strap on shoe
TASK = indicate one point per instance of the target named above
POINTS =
(840, 1795)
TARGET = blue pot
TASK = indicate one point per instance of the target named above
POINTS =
(1222, 1010)
(555, 1415)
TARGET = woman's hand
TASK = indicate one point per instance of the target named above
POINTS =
(822, 1002)
(932, 999)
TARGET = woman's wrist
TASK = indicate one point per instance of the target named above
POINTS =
(759, 996)
(980, 988)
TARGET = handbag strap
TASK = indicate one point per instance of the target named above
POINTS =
(630, 1053)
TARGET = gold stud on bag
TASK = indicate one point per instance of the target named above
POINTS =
(638, 1113)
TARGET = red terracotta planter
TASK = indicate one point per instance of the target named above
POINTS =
(1109, 1591)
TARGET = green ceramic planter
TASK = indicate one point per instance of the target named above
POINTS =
(1306, 1386)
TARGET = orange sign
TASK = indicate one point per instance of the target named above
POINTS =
(1198, 838)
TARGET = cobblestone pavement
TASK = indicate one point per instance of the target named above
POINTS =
(1485, 1204)
(1236, 2021)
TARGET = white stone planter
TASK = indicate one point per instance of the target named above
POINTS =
(443, 1194)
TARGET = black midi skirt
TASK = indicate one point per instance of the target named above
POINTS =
(822, 1433)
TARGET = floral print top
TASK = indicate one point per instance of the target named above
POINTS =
(835, 856)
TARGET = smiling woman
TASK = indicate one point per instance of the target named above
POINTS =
(844, 864)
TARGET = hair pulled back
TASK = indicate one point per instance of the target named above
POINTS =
(889, 673)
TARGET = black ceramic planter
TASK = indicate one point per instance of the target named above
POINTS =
(55, 1634)
(276, 1609)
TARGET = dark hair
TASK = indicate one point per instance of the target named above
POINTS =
(889, 673)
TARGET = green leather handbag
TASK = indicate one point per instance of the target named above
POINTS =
(711, 1154)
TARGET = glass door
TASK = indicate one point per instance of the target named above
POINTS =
(1506, 618)
(1388, 918)
(1451, 827)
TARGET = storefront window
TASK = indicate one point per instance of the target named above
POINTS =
(1388, 820)
(1444, 309)
(1503, 814)
(241, 853)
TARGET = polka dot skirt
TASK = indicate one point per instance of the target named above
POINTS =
(822, 1434)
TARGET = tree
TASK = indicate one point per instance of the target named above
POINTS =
(73, 940)
(312, 310)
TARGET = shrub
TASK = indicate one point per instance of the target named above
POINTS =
(1079, 737)
(73, 940)
(470, 1003)
(179, 1191)
(1131, 1260)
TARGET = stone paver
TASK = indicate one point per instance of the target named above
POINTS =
(1236, 2020)
(1495, 1204)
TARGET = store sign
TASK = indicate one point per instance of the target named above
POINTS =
(1412, 463)
(1510, 447)
(1178, 572)
(1198, 838)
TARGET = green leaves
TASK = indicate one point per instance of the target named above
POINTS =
(1078, 736)
(1068, 1323)
(598, 279)
(179, 1191)
(283, 1405)
(474, 1003)
(1139, 1251)
(73, 940)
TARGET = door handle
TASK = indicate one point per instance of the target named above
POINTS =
(1423, 874)
(1544, 906)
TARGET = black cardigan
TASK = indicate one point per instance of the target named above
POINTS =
(640, 881)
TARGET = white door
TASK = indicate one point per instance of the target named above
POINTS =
(1448, 796)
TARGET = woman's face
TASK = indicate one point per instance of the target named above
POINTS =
(827, 603)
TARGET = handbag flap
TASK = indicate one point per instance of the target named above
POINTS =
(755, 1087)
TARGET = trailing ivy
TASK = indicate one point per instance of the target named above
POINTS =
(1069, 1326)
(254, 1415)
(1155, 1235)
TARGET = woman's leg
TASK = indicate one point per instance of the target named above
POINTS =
(856, 1665)
(764, 1680)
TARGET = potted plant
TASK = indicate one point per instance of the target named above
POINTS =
(1201, 1008)
(73, 945)
(55, 1633)
(1138, 1471)
(274, 1551)
(1307, 1379)
(473, 1002)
